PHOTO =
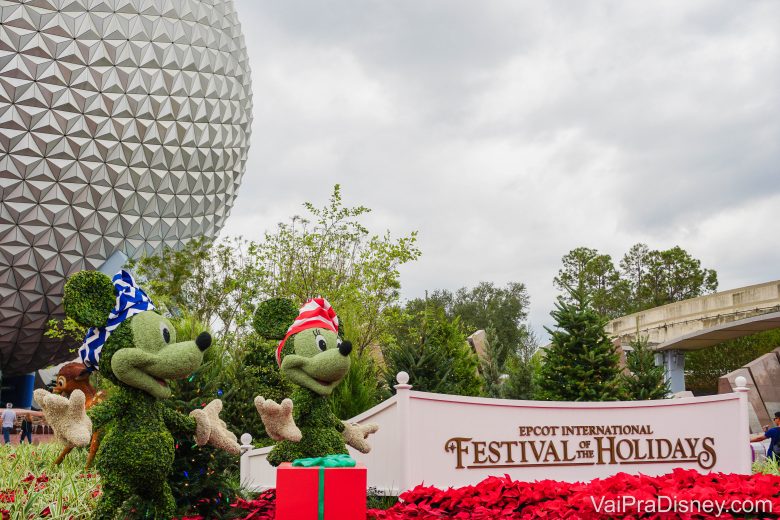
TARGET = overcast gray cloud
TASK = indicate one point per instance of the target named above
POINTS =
(509, 132)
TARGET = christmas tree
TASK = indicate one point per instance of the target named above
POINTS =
(646, 380)
(205, 480)
(581, 364)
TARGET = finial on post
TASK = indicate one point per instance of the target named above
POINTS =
(246, 443)
(740, 383)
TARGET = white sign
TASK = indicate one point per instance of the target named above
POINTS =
(446, 440)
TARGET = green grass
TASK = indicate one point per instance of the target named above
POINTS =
(376, 500)
(30, 483)
(768, 466)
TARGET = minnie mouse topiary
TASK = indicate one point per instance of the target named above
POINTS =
(313, 357)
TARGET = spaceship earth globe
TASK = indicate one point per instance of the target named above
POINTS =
(124, 126)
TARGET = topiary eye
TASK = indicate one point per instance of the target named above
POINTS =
(166, 334)
(320, 340)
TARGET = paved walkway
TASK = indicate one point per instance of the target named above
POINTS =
(37, 438)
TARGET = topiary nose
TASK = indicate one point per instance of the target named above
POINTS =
(345, 348)
(203, 341)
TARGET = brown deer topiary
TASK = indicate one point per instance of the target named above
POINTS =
(75, 376)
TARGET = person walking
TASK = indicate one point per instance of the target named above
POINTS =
(27, 427)
(9, 418)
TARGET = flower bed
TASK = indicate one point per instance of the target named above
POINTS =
(686, 490)
(31, 487)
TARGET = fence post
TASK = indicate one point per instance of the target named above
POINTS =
(744, 422)
(245, 448)
(402, 392)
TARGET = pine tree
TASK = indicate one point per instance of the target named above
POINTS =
(433, 350)
(581, 364)
(646, 380)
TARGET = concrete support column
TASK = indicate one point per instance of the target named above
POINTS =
(673, 362)
(113, 263)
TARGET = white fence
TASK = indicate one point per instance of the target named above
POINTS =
(447, 440)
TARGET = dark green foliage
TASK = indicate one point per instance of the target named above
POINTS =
(519, 380)
(273, 317)
(320, 428)
(704, 367)
(646, 380)
(375, 500)
(253, 373)
(360, 389)
(433, 350)
(581, 363)
(490, 367)
(594, 273)
(483, 307)
(88, 298)
(646, 279)
(203, 478)
(501, 312)
(135, 454)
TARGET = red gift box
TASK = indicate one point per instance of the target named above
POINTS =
(297, 493)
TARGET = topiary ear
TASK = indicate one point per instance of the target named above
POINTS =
(273, 317)
(89, 297)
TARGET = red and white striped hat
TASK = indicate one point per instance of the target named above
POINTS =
(315, 313)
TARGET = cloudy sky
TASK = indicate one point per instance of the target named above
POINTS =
(510, 132)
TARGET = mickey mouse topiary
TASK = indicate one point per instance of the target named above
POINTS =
(313, 357)
(136, 349)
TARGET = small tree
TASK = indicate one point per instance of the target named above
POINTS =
(520, 369)
(581, 363)
(433, 351)
(490, 365)
(646, 380)
(203, 478)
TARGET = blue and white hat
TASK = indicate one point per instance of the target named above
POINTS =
(130, 300)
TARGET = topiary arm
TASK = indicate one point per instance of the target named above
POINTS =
(66, 416)
(356, 434)
(278, 419)
(210, 429)
(178, 423)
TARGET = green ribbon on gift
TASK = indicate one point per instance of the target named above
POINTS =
(328, 461)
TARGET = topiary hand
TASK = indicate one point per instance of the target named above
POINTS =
(356, 434)
(67, 417)
(277, 419)
(210, 429)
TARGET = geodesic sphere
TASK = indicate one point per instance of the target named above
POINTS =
(124, 125)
